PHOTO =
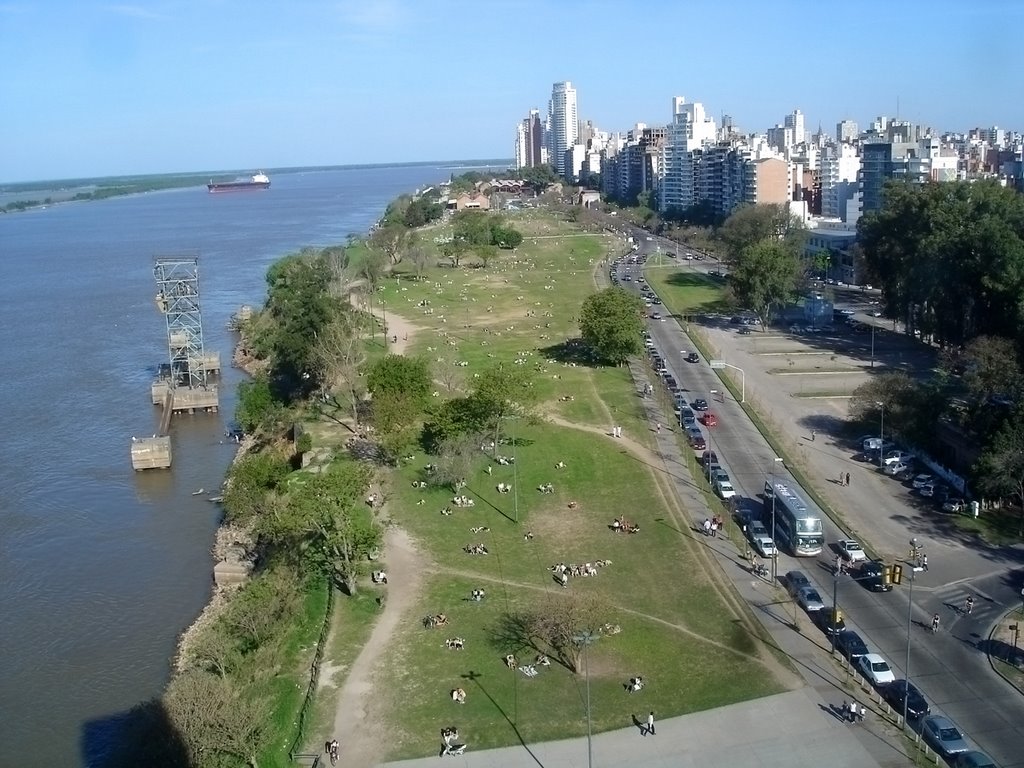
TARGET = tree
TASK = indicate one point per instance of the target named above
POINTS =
(400, 376)
(992, 368)
(220, 724)
(1001, 466)
(753, 224)
(764, 278)
(420, 259)
(506, 237)
(339, 355)
(501, 391)
(538, 178)
(448, 373)
(554, 627)
(910, 407)
(949, 257)
(324, 526)
(455, 459)
(257, 406)
(390, 239)
(611, 323)
(299, 306)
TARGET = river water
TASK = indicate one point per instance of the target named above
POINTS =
(101, 568)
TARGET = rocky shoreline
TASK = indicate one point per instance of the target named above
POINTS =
(232, 544)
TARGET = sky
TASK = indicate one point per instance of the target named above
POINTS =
(165, 86)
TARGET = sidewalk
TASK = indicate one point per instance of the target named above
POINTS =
(789, 730)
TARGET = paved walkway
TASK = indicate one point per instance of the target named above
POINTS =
(790, 730)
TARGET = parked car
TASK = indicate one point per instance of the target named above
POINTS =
(709, 457)
(928, 490)
(724, 489)
(709, 419)
(696, 438)
(954, 505)
(700, 404)
(851, 551)
(897, 456)
(850, 644)
(744, 331)
(921, 480)
(809, 599)
(871, 575)
(900, 691)
(897, 468)
(759, 537)
(972, 758)
(795, 581)
(943, 736)
(876, 669)
(829, 620)
(688, 421)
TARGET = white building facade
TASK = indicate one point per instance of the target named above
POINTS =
(838, 174)
(688, 132)
(563, 123)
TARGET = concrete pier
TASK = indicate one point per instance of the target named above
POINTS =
(151, 452)
(185, 399)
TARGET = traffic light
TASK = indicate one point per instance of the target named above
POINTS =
(897, 574)
(887, 574)
(837, 615)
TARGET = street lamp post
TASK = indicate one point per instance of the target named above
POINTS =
(585, 638)
(881, 434)
(872, 345)
(775, 555)
(906, 663)
(515, 472)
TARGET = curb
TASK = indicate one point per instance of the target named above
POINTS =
(990, 637)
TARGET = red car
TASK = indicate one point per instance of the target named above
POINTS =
(709, 419)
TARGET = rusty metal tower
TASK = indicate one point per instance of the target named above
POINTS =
(177, 298)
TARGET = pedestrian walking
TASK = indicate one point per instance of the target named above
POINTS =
(814, 434)
(650, 723)
(924, 562)
(862, 713)
(969, 605)
(842, 479)
(659, 427)
(847, 478)
(935, 623)
(844, 712)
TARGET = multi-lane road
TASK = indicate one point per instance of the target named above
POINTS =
(950, 667)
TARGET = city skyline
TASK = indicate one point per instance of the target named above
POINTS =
(97, 89)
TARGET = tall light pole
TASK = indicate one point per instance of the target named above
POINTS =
(585, 638)
(872, 345)
(881, 434)
(515, 472)
(775, 555)
(906, 663)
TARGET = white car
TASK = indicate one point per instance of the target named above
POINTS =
(898, 457)
(851, 551)
(922, 480)
(876, 669)
(724, 489)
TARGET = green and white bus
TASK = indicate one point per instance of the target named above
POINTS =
(796, 526)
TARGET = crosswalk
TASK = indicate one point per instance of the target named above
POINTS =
(951, 602)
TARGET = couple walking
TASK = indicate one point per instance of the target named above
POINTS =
(844, 478)
(616, 431)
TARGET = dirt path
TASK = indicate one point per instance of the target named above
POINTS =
(359, 732)
(400, 332)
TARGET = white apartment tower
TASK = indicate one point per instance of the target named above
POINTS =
(839, 168)
(795, 122)
(688, 132)
(847, 132)
(563, 120)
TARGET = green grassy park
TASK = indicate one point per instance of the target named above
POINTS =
(682, 628)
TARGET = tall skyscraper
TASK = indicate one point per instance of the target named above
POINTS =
(563, 124)
(688, 132)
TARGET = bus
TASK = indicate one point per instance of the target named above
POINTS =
(797, 527)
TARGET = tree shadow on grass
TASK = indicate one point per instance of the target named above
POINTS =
(573, 352)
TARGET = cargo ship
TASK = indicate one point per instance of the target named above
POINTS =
(258, 181)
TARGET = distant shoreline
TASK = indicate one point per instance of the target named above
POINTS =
(202, 177)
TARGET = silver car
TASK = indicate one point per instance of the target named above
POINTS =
(809, 599)
(944, 737)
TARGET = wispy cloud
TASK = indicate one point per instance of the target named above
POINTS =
(136, 12)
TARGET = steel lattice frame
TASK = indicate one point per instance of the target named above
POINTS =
(177, 281)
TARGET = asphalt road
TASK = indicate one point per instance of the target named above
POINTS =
(949, 668)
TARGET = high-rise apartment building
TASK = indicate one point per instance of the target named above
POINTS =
(795, 122)
(563, 120)
(847, 132)
(529, 151)
(839, 168)
(913, 161)
(689, 131)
